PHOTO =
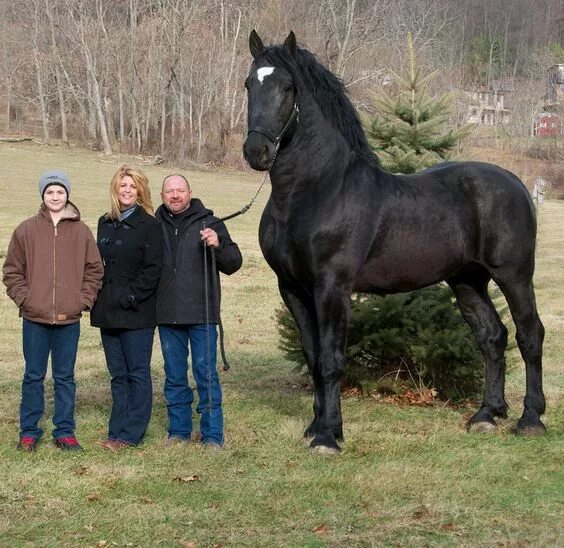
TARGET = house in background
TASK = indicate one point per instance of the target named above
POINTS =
(548, 124)
(555, 86)
(488, 106)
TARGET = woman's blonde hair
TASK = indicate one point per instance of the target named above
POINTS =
(143, 190)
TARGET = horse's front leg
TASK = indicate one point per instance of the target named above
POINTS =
(302, 308)
(332, 305)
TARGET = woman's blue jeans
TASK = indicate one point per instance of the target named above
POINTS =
(178, 394)
(128, 356)
(40, 340)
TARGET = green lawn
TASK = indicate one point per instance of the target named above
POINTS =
(407, 476)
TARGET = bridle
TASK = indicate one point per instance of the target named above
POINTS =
(294, 117)
(276, 141)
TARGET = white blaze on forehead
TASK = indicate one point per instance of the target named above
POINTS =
(263, 72)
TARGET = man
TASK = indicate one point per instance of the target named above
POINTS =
(188, 308)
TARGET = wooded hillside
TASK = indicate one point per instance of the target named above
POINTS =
(166, 76)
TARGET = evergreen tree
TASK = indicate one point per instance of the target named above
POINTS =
(408, 133)
(403, 342)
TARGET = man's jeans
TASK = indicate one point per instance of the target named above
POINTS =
(40, 340)
(178, 394)
(128, 356)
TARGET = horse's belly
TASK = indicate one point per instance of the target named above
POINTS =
(405, 273)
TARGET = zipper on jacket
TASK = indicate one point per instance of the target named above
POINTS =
(54, 271)
(176, 245)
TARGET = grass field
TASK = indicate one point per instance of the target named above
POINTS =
(408, 476)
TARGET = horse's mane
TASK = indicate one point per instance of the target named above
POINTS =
(328, 91)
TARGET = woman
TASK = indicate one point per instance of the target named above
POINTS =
(130, 242)
(52, 272)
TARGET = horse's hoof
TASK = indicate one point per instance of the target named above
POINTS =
(324, 450)
(531, 430)
(482, 427)
(324, 444)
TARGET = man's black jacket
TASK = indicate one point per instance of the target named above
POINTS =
(180, 296)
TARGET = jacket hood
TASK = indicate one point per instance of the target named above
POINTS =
(70, 213)
(196, 211)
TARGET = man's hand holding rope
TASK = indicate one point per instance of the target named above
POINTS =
(210, 237)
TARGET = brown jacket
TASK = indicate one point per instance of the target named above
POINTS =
(51, 272)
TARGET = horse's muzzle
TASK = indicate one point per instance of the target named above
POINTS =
(258, 151)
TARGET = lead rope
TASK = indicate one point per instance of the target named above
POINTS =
(294, 117)
(207, 325)
(215, 289)
(253, 199)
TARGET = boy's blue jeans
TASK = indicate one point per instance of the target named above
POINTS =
(178, 394)
(40, 340)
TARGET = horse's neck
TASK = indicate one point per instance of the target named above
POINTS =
(316, 151)
(312, 165)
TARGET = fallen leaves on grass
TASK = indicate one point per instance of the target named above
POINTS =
(423, 512)
(81, 470)
(351, 391)
(187, 479)
(321, 530)
(421, 396)
(94, 497)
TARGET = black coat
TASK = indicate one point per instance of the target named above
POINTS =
(132, 253)
(180, 296)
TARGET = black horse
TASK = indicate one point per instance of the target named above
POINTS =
(336, 222)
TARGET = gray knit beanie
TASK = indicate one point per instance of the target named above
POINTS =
(54, 177)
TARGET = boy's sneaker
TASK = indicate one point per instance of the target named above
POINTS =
(27, 444)
(68, 443)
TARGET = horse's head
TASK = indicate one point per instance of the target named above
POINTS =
(271, 104)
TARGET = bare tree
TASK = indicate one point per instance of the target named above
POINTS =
(88, 33)
(36, 33)
(56, 63)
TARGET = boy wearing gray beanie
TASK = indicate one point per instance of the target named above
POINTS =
(52, 272)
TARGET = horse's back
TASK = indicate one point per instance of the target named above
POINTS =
(433, 224)
(497, 196)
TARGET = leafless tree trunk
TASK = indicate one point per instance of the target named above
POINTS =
(163, 123)
(38, 73)
(134, 121)
(121, 108)
(58, 79)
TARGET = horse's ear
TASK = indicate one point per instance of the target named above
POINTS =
(255, 44)
(290, 44)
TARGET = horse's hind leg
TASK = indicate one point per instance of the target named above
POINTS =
(471, 293)
(530, 335)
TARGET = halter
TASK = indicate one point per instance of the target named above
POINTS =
(295, 116)
(276, 141)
